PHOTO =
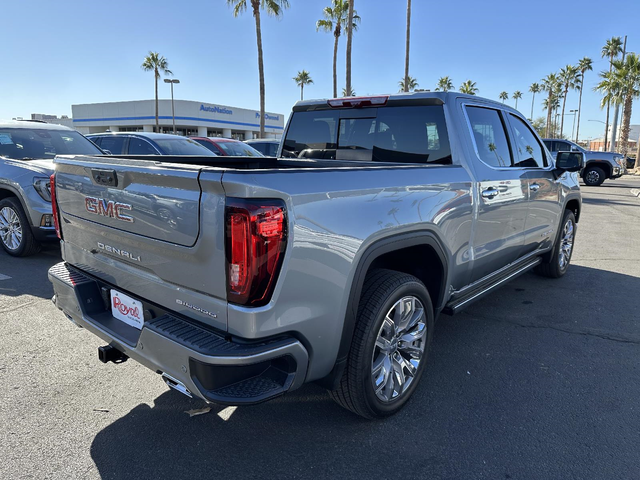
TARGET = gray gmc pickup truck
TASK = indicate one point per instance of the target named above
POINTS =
(239, 279)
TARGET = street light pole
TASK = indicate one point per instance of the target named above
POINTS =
(574, 122)
(599, 121)
(173, 110)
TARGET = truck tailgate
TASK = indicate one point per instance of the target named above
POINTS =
(152, 229)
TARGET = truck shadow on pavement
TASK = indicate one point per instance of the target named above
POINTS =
(536, 377)
(28, 275)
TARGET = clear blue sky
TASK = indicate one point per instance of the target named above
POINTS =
(65, 52)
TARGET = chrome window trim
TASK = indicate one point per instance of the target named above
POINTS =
(501, 112)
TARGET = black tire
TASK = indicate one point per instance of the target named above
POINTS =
(381, 291)
(593, 176)
(28, 244)
(551, 266)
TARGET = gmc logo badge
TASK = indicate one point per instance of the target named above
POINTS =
(107, 208)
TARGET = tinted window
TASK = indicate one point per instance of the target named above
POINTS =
(182, 146)
(238, 149)
(27, 143)
(548, 144)
(489, 135)
(113, 143)
(208, 145)
(138, 146)
(527, 149)
(390, 134)
(562, 147)
(272, 149)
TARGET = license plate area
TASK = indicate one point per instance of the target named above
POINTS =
(127, 309)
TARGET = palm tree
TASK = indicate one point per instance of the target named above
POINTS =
(349, 42)
(610, 87)
(534, 88)
(303, 78)
(570, 78)
(445, 84)
(410, 86)
(272, 7)
(611, 50)
(584, 65)
(350, 94)
(335, 19)
(516, 96)
(549, 84)
(503, 96)
(627, 74)
(468, 87)
(406, 50)
(159, 65)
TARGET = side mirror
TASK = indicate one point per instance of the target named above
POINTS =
(570, 161)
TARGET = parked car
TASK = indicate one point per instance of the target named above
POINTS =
(598, 167)
(330, 269)
(227, 147)
(27, 149)
(267, 146)
(146, 143)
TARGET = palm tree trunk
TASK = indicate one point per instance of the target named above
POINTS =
(547, 130)
(564, 103)
(516, 103)
(301, 91)
(157, 123)
(606, 125)
(335, 62)
(579, 106)
(349, 40)
(406, 55)
(532, 102)
(256, 14)
(626, 121)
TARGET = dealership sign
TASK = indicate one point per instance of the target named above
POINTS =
(268, 117)
(216, 109)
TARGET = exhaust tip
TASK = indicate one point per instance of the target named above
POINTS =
(176, 385)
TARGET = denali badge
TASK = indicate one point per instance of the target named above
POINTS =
(107, 208)
(118, 251)
(197, 309)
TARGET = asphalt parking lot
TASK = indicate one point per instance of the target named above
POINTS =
(539, 380)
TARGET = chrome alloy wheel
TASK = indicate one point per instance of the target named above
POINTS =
(566, 244)
(399, 348)
(592, 177)
(10, 228)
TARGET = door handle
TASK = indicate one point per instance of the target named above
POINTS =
(534, 187)
(490, 192)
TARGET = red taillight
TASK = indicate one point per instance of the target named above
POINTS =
(256, 239)
(356, 102)
(54, 204)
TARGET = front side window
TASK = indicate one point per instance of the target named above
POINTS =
(489, 136)
(408, 134)
(528, 151)
(562, 147)
(138, 146)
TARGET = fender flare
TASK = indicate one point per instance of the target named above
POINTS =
(18, 195)
(370, 254)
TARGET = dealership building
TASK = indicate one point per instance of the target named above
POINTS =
(191, 118)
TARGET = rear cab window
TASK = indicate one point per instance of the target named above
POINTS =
(398, 134)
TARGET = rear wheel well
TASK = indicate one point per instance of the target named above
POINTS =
(574, 206)
(422, 262)
(604, 166)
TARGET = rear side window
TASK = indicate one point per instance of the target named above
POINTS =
(113, 143)
(413, 134)
(528, 150)
(562, 147)
(489, 136)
